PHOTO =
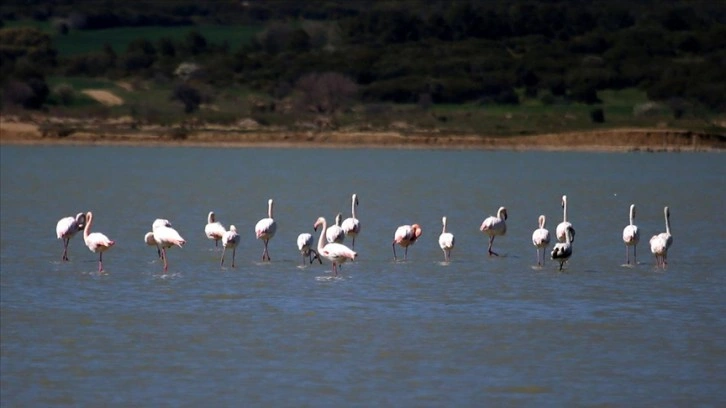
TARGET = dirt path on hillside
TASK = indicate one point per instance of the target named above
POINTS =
(105, 97)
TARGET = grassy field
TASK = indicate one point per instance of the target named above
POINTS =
(150, 102)
(84, 41)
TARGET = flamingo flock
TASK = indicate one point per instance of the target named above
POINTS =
(330, 242)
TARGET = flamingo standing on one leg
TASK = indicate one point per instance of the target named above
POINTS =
(96, 241)
(305, 246)
(336, 253)
(66, 228)
(563, 250)
(446, 241)
(214, 229)
(335, 233)
(149, 237)
(405, 236)
(351, 225)
(541, 239)
(230, 239)
(166, 237)
(494, 226)
(631, 236)
(265, 230)
(564, 225)
(659, 244)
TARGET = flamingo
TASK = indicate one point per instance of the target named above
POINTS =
(265, 229)
(230, 239)
(214, 229)
(563, 250)
(541, 239)
(150, 241)
(631, 236)
(166, 237)
(96, 241)
(351, 226)
(659, 244)
(336, 253)
(446, 241)
(564, 225)
(405, 236)
(305, 246)
(494, 226)
(335, 233)
(66, 228)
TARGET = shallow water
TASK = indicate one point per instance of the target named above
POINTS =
(477, 330)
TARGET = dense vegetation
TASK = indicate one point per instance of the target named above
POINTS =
(323, 56)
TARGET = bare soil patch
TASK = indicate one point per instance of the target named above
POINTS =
(103, 96)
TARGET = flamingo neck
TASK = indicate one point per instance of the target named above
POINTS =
(443, 230)
(668, 223)
(210, 218)
(321, 245)
(87, 229)
(352, 207)
(632, 215)
(564, 211)
(541, 222)
(269, 209)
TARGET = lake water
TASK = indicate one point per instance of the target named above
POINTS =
(478, 331)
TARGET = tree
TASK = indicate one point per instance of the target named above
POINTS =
(188, 95)
(327, 93)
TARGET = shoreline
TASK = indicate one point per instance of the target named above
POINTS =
(27, 133)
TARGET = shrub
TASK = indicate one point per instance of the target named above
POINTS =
(597, 115)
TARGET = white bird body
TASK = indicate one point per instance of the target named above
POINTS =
(150, 241)
(351, 225)
(166, 237)
(659, 244)
(305, 246)
(563, 250)
(335, 233)
(541, 239)
(96, 241)
(336, 253)
(495, 226)
(631, 237)
(214, 229)
(265, 230)
(230, 239)
(446, 241)
(405, 236)
(564, 225)
(66, 228)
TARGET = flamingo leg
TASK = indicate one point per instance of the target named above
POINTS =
(234, 252)
(265, 253)
(353, 244)
(405, 254)
(627, 255)
(65, 248)
(166, 265)
(491, 242)
(221, 261)
(100, 262)
(635, 262)
(394, 250)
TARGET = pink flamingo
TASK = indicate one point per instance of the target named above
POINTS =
(214, 229)
(230, 239)
(166, 237)
(405, 236)
(149, 237)
(66, 228)
(305, 246)
(494, 226)
(265, 230)
(541, 239)
(659, 244)
(336, 253)
(631, 236)
(446, 241)
(351, 225)
(96, 241)
(335, 233)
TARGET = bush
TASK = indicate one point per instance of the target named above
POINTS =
(64, 94)
(188, 95)
(597, 115)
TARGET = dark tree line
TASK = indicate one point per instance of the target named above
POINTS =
(403, 51)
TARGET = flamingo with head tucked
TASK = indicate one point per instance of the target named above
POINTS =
(495, 226)
(166, 237)
(66, 228)
(230, 239)
(336, 253)
(305, 246)
(405, 236)
(631, 236)
(214, 229)
(351, 225)
(446, 241)
(150, 241)
(564, 225)
(96, 241)
(265, 230)
(541, 239)
(659, 244)
(335, 233)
